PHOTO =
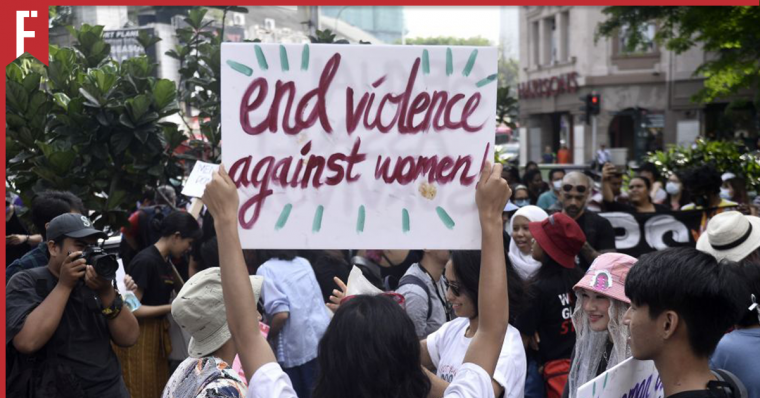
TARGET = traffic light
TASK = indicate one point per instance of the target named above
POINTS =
(594, 103)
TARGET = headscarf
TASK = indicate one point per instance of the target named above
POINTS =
(524, 264)
(591, 345)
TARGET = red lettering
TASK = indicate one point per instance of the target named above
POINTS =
(259, 85)
(469, 107)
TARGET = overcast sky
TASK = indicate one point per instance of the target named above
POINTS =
(463, 22)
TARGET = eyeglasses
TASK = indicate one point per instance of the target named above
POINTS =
(579, 188)
(398, 298)
(455, 288)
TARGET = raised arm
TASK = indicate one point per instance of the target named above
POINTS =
(607, 173)
(493, 302)
(221, 198)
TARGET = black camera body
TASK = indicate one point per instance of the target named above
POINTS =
(105, 264)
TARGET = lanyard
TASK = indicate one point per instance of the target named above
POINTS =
(444, 303)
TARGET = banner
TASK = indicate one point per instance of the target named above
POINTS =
(629, 379)
(357, 146)
(641, 233)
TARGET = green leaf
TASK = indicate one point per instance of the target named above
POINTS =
(195, 17)
(13, 72)
(164, 93)
(115, 199)
(137, 107)
(91, 100)
(146, 40)
(62, 100)
(16, 96)
(120, 142)
(32, 82)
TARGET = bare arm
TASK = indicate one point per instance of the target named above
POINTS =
(438, 386)
(278, 322)
(607, 171)
(42, 322)
(425, 359)
(493, 302)
(221, 197)
(124, 329)
(150, 311)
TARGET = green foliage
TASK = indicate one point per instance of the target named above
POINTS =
(327, 37)
(506, 107)
(90, 125)
(449, 41)
(732, 34)
(724, 155)
(199, 54)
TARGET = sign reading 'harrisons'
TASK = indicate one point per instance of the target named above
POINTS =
(349, 147)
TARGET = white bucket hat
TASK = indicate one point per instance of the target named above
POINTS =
(731, 235)
(199, 310)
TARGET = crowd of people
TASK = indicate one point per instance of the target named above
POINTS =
(545, 306)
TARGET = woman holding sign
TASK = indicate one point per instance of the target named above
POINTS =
(601, 338)
(343, 376)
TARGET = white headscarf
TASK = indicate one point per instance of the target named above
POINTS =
(524, 264)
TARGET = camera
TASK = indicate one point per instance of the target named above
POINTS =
(105, 264)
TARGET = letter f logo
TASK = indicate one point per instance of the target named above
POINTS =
(21, 34)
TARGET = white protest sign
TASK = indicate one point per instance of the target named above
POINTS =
(199, 177)
(357, 146)
(629, 379)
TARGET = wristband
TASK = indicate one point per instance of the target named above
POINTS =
(113, 311)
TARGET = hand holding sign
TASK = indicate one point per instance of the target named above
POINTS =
(492, 192)
(199, 177)
(221, 197)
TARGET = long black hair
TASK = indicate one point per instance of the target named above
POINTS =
(370, 349)
(466, 265)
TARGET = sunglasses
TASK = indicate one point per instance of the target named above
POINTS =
(398, 298)
(579, 188)
(455, 288)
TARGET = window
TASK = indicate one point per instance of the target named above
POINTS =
(553, 40)
(646, 46)
(535, 44)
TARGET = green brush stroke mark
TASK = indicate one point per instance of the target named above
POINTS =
(470, 63)
(283, 217)
(447, 221)
(593, 392)
(305, 57)
(487, 80)
(261, 59)
(317, 224)
(449, 62)
(405, 220)
(360, 220)
(425, 62)
(284, 64)
(605, 380)
(240, 67)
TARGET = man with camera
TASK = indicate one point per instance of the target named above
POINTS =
(62, 318)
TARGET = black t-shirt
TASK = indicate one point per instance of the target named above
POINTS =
(82, 341)
(550, 315)
(696, 394)
(14, 226)
(153, 274)
(626, 208)
(325, 269)
(599, 234)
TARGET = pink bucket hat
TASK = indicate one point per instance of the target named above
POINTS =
(607, 276)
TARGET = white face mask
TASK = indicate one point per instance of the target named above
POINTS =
(724, 193)
(673, 188)
(557, 185)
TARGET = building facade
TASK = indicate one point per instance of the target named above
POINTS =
(645, 94)
(386, 23)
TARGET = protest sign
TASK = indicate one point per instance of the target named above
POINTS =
(629, 379)
(641, 233)
(199, 177)
(357, 146)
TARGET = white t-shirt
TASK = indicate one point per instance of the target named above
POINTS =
(448, 345)
(270, 381)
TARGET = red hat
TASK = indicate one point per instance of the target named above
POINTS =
(560, 237)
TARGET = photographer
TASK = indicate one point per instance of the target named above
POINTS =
(62, 318)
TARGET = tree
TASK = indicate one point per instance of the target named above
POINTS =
(90, 125)
(731, 34)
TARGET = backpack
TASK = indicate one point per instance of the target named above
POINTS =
(413, 280)
(728, 384)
